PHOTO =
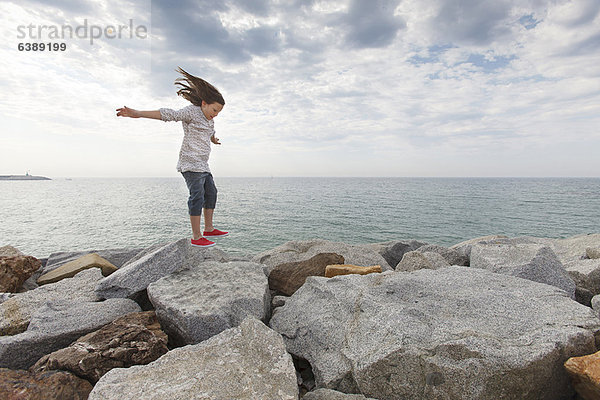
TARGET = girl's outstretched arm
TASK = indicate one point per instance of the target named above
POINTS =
(130, 112)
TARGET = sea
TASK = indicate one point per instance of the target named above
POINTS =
(43, 217)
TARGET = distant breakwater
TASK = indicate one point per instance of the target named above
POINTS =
(23, 178)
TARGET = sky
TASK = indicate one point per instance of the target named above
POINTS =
(407, 88)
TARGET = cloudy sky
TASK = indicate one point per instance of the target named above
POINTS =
(313, 88)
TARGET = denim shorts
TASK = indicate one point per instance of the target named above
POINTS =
(203, 192)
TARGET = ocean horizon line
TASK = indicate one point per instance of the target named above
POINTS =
(328, 177)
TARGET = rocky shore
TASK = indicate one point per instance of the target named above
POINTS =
(490, 318)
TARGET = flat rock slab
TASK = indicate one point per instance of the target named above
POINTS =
(536, 262)
(133, 339)
(152, 264)
(56, 325)
(286, 278)
(72, 268)
(301, 250)
(16, 312)
(347, 269)
(197, 303)
(452, 333)
(247, 362)
(51, 385)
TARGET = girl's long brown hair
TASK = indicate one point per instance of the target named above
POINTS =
(197, 89)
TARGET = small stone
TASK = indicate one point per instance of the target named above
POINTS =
(347, 269)
(16, 270)
(71, 268)
(278, 301)
(289, 277)
(585, 375)
(50, 385)
(592, 252)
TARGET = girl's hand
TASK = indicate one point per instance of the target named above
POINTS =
(127, 112)
(215, 139)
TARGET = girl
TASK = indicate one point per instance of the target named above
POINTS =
(198, 133)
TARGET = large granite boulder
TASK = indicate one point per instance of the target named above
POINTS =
(247, 362)
(50, 385)
(452, 256)
(133, 339)
(572, 248)
(451, 333)
(16, 312)
(152, 264)
(532, 261)
(286, 278)
(300, 250)
(394, 250)
(56, 325)
(464, 248)
(14, 271)
(72, 268)
(415, 260)
(197, 303)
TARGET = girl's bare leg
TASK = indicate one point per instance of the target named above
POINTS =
(195, 220)
(208, 219)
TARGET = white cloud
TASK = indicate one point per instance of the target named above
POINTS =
(414, 87)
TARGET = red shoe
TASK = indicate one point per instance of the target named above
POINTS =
(202, 242)
(216, 233)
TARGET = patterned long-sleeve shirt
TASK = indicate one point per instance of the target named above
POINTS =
(197, 131)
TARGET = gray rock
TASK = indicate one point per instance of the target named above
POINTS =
(393, 251)
(586, 275)
(329, 394)
(569, 249)
(301, 250)
(464, 248)
(152, 264)
(117, 257)
(278, 301)
(195, 304)
(55, 325)
(452, 256)
(452, 333)
(5, 296)
(596, 304)
(15, 313)
(531, 261)
(415, 260)
(247, 362)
